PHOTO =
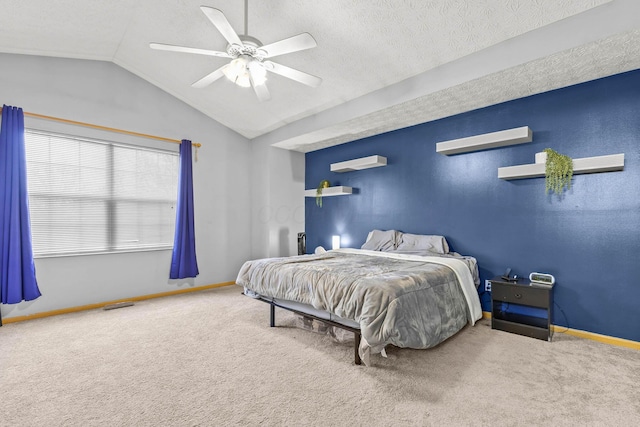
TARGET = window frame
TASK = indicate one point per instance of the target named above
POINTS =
(110, 200)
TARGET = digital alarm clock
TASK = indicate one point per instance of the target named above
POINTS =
(542, 278)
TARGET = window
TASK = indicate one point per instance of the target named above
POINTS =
(90, 196)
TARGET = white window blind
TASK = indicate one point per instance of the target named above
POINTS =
(90, 196)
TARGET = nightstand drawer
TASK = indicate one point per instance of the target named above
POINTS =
(535, 297)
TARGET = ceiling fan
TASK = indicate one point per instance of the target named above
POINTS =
(249, 65)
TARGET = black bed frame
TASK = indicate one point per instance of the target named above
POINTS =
(356, 331)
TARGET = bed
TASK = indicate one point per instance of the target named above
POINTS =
(399, 289)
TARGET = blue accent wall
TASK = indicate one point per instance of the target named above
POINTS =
(589, 238)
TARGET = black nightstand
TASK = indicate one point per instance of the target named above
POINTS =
(526, 294)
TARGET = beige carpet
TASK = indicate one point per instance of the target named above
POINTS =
(210, 359)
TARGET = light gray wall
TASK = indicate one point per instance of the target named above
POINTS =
(277, 194)
(105, 94)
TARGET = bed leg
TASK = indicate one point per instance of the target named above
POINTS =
(272, 315)
(356, 346)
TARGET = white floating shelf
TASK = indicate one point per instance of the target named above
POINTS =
(330, 191)
(485, 141)
(359, 164)
(609, 163)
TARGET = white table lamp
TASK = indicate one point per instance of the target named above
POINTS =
(335, 242)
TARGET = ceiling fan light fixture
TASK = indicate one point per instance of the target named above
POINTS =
(237, 72)
(258, 72)
(241, 69)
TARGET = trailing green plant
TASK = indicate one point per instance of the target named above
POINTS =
(323, 184)
(558, 171)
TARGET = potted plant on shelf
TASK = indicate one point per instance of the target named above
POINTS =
(558, 171)
(323, 184)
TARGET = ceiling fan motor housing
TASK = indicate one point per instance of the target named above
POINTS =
(250, 46)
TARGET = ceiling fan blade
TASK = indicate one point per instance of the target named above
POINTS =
(184, 49)
(293, 74)
(261, 91)
(218, 19)
(292, 44)
(258, 81)
(210, 78)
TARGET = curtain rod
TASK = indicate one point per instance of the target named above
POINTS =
(116, 130)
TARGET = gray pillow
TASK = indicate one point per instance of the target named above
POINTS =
(379, 240)
(420, 242)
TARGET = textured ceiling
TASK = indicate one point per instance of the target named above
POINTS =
(594, 60)
(385, 64)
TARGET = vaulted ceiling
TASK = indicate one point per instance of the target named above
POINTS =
(385, 64)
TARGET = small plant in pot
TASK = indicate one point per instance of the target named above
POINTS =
(323, 184)
(558, 171)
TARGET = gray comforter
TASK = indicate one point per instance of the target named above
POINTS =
(407, 301)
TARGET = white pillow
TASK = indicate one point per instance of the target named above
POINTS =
(420, 242)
